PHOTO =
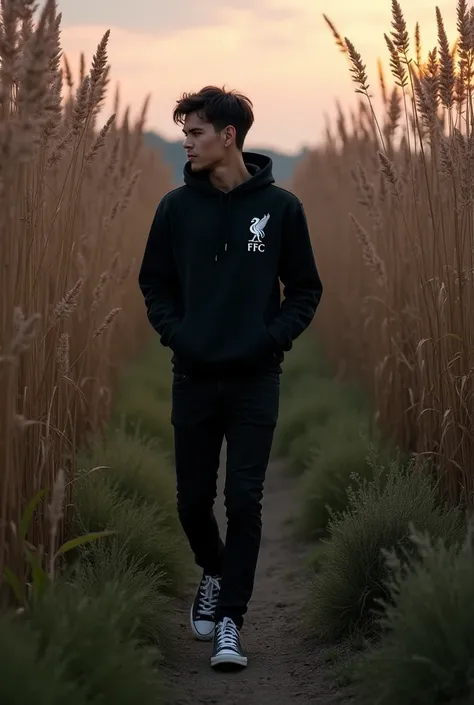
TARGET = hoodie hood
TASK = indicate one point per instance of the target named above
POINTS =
(258, 165)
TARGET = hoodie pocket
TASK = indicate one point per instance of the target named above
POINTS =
(248, 342)
(178, 344)
(185, 344)
(274, 347)
(262, 346)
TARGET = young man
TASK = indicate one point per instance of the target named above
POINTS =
(217, 250)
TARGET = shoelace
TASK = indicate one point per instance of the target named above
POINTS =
(227, 635)
(208, 595)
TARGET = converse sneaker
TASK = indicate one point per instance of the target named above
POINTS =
(228, 650)
(204, 606)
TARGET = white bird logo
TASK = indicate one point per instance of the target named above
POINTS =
(258, 226)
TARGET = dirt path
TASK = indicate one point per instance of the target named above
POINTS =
(283, 668)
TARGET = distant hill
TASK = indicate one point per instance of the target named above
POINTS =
(173, 153)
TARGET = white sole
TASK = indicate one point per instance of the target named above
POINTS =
(229, 660)
(199, 637)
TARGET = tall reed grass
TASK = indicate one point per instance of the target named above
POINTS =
(77, 194)
(390, 202)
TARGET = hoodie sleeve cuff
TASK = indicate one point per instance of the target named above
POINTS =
(169, 333)
(279, 339)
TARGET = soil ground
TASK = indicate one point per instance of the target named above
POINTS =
(285, 666)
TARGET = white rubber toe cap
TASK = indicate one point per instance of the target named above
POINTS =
(202, 629)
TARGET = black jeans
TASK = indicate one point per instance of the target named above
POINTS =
(244, 411)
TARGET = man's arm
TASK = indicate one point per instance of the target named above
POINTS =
(299, 275)
(158, 279)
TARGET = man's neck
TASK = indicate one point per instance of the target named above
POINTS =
(228, 176)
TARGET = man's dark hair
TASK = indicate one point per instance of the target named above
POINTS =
(220, 108)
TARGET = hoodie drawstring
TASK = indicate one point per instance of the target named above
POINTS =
(228, 220)
(225, 202)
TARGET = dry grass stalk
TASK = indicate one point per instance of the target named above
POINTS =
(418, 51)
(358, 69)
(98, 292)
(68, 304)
(337, 37)
(446, 73)
(389, 173)
(399, 29)
(25, 331)
(56, 511)
(99, 140)
(62, 353)
(370, 256)
(394, 111)
(383, 87)
(106, 323)
(399, 70)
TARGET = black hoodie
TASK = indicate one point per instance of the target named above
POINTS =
(211, 269)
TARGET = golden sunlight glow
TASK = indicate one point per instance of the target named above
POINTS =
(288, 65)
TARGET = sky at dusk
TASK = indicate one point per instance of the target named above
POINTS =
(278, 52)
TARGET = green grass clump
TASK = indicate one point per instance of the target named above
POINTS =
(346, 590)
(302, 356)
(95, 641)
(322, 434)
(425, 656)
(142, 402)
(145, 606)
(306, 409)
(137, 468)
(342, 453)
(317, 555)
(296, 419)
(147, 415)
(142, 528)
(133, 493)
(29, 674)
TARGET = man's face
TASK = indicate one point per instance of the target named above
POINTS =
(204, 146)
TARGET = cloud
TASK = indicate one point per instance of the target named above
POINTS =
(162, 18)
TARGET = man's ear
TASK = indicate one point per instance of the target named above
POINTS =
(229, 135)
